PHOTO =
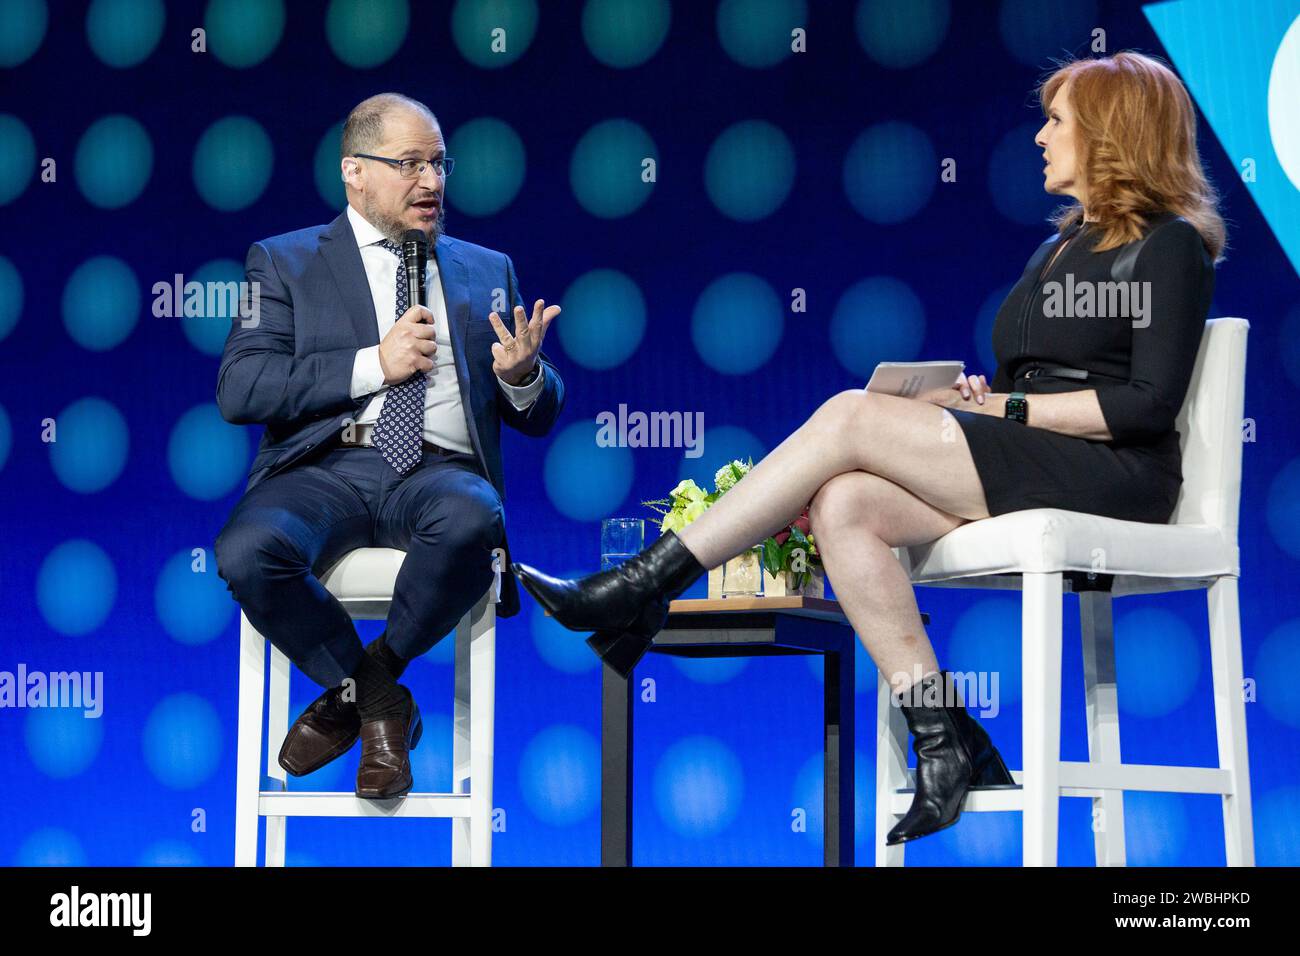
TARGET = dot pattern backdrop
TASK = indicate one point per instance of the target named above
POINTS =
(128, 159)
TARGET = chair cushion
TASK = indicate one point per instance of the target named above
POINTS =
(1050, 539)
(364, 574)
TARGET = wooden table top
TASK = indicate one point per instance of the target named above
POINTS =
(796, 605)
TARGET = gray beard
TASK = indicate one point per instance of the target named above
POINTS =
(395, 230)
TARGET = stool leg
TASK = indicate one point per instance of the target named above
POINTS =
(460, 763)
(1041, 676)
(1230, 719)
(891, 770)
(474, 723)
(482, 670)
(1096, 625)
(276, 730)
(248, 755)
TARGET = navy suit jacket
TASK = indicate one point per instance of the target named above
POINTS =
(289, 367)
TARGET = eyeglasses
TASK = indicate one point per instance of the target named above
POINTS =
(414, 168)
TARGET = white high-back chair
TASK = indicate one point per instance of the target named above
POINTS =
(363, 582)
(1041, 551)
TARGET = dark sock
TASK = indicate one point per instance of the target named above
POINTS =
(394, 664)
(378, 696)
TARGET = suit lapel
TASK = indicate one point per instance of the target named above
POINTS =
(339, 249)
(453, 274)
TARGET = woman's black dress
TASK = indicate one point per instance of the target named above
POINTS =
(1138, 353)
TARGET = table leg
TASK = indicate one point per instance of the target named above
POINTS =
(615, 768)
(838, 698)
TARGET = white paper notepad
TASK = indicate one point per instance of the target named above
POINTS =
(909, 379)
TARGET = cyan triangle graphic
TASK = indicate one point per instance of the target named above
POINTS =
(1240, 60)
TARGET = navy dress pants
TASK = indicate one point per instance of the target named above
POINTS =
(293, 526)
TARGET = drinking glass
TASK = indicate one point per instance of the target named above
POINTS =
(620, 539)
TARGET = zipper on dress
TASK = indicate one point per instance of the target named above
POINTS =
(1033, 295)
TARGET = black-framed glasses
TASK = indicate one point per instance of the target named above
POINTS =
(414, 168)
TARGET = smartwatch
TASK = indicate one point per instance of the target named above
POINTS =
(1017, 408)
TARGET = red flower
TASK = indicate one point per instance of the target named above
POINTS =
(803, 523)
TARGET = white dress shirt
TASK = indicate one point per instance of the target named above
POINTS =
(445, 421)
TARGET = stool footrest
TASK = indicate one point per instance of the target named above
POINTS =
(1082, 779)
(290, 804)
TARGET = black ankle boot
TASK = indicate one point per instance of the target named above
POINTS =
(626, 606)
(953, 754)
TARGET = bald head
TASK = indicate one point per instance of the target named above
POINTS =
(364, 128)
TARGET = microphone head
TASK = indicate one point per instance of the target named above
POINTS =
(415, 255)
(415, 247)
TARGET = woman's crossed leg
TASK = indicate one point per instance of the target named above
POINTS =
(880, 472)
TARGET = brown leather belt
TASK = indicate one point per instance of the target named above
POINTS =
(363, 436)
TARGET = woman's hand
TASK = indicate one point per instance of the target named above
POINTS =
(963, 390)
(973, 386)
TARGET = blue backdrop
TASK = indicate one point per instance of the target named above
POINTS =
(128, 157)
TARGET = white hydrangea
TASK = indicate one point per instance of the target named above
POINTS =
(727, 475)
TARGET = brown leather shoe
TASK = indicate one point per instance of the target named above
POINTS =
(327, 729)
(385, 768)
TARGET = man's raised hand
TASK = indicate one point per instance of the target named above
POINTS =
(515, 355)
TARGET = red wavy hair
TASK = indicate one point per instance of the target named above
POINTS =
(1135, 143)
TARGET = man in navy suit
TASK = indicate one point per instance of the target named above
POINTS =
(382, 429)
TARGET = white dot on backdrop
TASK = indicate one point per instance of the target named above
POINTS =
(90, 445)
(50, 846)
(559, 775)
(737, 323)
(101, 303)
(182, 741)
(889, 172)
(604, 319)
(76, 587)
(584, 480)
(879, 319)
(610, 171)
(699, 786)
(1276, 663)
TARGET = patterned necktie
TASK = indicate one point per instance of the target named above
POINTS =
(399, 432)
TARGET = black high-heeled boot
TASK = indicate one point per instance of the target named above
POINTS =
(953, 755)
(626, 606)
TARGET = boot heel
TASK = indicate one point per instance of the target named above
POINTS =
(419, 732)
(619, 649)
(993, 775)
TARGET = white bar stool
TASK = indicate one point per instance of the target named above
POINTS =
(363, 582)
(1042, 551)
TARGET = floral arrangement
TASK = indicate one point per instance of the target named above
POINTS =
(791, 549)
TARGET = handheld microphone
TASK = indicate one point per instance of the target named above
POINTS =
(415, 253)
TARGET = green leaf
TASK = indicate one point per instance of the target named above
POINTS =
(771, 556)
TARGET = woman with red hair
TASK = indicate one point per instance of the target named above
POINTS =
(1095, 347)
